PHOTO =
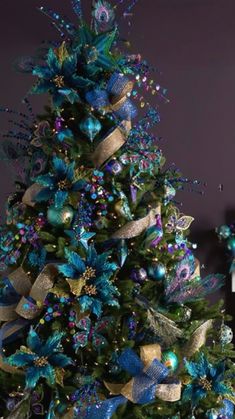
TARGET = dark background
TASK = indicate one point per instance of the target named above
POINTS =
(192, 42)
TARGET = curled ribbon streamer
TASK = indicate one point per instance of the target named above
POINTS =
(135, 228)
(30, 194)
(109, 146)
(198, 338)
(146, 384)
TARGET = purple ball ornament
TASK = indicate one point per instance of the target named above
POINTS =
(114, 167)
(139, 275)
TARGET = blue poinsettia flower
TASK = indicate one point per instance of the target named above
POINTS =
(79, 235)
(40, 360)
(205, 378)
(94, 50)
(59, 183)
(59, 77)
(89, 279)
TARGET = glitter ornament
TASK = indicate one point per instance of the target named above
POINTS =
(157, 271)
(60, 217)
(90, 126)
(231, 244)
(138, 275)
(170, 360)
(224, 232)
(182, 313)
(226, 335)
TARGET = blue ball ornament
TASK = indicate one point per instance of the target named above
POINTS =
(170, 360)
(60, 217)
(90, 126)
(231, 244)
(224, 232)
(138, 275)
(157, 271)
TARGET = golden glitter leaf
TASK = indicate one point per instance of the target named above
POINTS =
(25, 350)
(59, 292)
(76, 285)
(62, 53)
(59, 376)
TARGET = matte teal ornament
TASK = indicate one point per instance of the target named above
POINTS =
(60, 217)
(224, 231)
(157, 271)
(90, 126)
(231, 244)
(170, 360)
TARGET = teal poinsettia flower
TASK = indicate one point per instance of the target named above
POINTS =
(40, 360)
(79, 235)
(94, 51)
(206, 378)
(89, 279)
(58, 76)
(59, 183)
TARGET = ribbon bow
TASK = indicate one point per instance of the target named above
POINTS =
(114, 98)
(23, 300)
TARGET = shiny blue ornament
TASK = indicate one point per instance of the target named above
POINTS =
(60, 216)
(170, 360)
(157, 271)
(90, 126)
(231, 244)
(139, 275)
(224, 232)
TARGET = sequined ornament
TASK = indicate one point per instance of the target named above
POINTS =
(170, 360)
(226, 335)
(157, 271)
(103, 14)
(183, 314)
(231, 244)
(90, 126)
(59, 217)
(138, 275)
(224, 232)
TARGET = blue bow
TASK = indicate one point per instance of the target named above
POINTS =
(114, 98)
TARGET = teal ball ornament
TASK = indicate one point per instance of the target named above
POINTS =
(90, 126)
(226, 335)
(60, 217)
(231, 244)
(224, 232)
(157, 271)
(170, 360)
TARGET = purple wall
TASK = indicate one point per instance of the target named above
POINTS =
(192, 42)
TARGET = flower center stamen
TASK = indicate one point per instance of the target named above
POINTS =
(205, 383)
(59, 81)
(89, 273)
(40, 362)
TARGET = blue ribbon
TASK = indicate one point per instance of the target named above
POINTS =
(100, 99)
(105, 409)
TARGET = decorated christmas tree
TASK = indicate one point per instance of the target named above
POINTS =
(103, 309)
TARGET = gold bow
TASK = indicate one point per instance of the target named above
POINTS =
(166, 392)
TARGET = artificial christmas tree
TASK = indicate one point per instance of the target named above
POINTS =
(103, 307)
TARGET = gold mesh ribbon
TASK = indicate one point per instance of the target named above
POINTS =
(198, 338)
(135, 228)
(22, 284)
(109, 146)
(30, 194)
(166, 392)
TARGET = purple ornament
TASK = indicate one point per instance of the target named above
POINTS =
(114, 167)
(138, 275)
(59, 123)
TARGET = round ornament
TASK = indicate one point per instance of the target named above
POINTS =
(138, 275)
(59, 217)
(114, 167)
(170, 360)
(157, 271)
(231, 244)
(182, 313)
(224, 232)
(226, 335)
(90, 126)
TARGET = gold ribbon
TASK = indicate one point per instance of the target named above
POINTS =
(135, 228)
(198, 338)
(30, 194)
(23, 286)
(111, 144)
(166, 392)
